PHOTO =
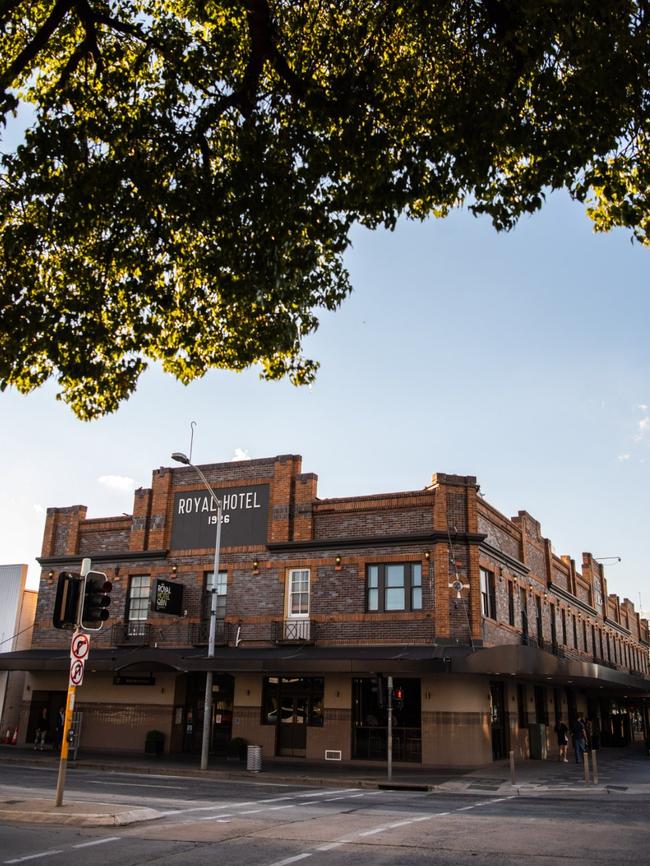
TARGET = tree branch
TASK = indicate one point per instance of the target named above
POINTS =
(37, 43)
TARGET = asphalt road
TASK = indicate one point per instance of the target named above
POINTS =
(265, 824)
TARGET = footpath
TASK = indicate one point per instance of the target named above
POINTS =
(621, 772)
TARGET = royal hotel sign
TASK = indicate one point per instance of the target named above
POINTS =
(245, 517)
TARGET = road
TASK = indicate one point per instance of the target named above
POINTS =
(205, 821)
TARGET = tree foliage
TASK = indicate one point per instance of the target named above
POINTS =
(186, 190)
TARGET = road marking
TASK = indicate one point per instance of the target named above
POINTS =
(331, 846)
(276, 808)
(35, 856)
(372, 832)
(322, 793)
(216, 817)
(138, 785)
(290, 860)
(98, 842)
(349, 797)
(252, 811)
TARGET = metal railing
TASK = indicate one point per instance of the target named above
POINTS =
(136, 633)
(294, 631)
(199, 633)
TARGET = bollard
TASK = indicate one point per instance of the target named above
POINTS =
(512, 767)
(594, 766)
(585, 759)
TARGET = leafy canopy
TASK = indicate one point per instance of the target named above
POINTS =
(186, 190)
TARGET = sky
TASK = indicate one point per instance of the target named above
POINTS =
(521, 358)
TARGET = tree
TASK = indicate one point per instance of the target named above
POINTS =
(186, 190)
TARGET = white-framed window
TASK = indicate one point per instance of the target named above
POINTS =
(137, 609)
(298, 593)
(222, 591)
(488, 594)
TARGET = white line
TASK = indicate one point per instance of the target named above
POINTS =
(34, 856)
(251, 811)
(373, 832)
(465, 808)
(323, 793)
(290, 860)
(276, 808)
(216, 817)
(425, 818)
(398, 824)
(173, 812)
(97, 842)
(330, 847)
(276, 799)
(138, 785)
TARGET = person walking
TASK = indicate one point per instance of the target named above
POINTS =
(579, 739)
(562, 732)
(42, 730)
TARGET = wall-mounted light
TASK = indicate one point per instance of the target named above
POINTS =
(427, 555)
(50, 574)
(256, 565)
(174, 569)
(337, 561)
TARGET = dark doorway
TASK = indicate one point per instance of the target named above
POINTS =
(498, 721)
(51, 702)
(370, 719)
(223, 690)
(292, 704)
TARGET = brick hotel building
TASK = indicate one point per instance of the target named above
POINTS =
(490, 636)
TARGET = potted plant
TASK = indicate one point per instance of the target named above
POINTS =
(237, 749)
(154, 743)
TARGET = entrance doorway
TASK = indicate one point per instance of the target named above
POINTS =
(223, 690)
(292, 704)
(51, 703)
(370, 719)
(498, 721)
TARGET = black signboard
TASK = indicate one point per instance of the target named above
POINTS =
(245, 517)
(168, 597)
(134, 680)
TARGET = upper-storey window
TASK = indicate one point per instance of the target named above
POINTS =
(511, 603)
(221, 587)
(394, 586)
(137, 608)
(298, 593)
(488, 594)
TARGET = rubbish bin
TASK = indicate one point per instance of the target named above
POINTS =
(254, 759)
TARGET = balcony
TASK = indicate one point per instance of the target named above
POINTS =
(199, 633)
(135, 633)
(296, 631)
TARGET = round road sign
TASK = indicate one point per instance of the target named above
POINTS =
(80, 646)
(76, 673)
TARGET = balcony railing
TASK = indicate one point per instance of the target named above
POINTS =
(294, 631)
(135, 633)
(199, 633)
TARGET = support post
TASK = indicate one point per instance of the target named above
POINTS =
(86, 566)
(512, 767)
(389, 734)
(585, 760)
(594, 765)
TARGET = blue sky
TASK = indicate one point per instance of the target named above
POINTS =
(521, 358)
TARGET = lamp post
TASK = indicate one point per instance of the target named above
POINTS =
(207, 707)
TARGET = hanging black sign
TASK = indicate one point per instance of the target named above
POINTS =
(168, 597)
(245, 517)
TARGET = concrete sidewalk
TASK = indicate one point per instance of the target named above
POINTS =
(620, 772)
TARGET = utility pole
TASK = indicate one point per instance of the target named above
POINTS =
(389, 735)
(76, 671)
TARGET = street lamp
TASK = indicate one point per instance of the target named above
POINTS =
(207, 707)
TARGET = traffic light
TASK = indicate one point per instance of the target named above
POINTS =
(66, 602)
(97, 599)
(398, 697)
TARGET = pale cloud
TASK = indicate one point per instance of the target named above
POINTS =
(240, 454)
(643, 429)
(643, 407)
(623, 457)
(39, 508)
(119, 483)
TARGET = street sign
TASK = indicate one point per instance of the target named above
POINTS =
(76, 672)
(80, 646)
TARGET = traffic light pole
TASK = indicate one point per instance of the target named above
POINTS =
(69, 704)
(389, 735)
